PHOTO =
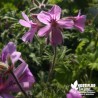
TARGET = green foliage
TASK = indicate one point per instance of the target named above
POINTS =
(55, 1)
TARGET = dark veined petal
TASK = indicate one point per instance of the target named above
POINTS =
(44, 17)
(80, 23)
(67, 23)
(28, 36)
(8, 49)
(44, 31)
(15, 56)
(56, 37)
(24, 76)
(24, 23)
(55, 12)
(25, 17)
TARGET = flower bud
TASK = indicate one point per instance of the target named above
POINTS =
(3, 67)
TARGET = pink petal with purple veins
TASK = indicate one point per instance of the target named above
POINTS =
(15, 56)
(28, 36)
(80, 23)
(79, 28)
(8, 50)
(68, 23)
(56, 37)
(25, 77)
(24, 23)
(20, 69)
(44, 31)
(25, 17)
(44, 17)
(18, 72)
(55, 12)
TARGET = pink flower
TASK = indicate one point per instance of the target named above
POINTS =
(8, 84)
(28, 36)
(73, 93)
(10, 51)
(54, 25)
(79, 21)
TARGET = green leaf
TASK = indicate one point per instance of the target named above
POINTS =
(81, 45)
(35, 59)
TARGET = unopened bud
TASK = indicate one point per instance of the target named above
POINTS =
(3, 67)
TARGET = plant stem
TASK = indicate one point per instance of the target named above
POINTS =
(22, 90)
(53, 64)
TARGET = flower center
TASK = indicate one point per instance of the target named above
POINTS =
(53, 23)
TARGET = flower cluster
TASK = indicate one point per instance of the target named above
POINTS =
(52, 25)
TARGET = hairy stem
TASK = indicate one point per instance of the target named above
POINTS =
(22, 90)
(53, 64)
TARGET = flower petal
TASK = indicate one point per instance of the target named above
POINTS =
(80, 23)
(25, 77)
(44, 17)
(44, 31)
(18, 72)
(69, 96)
(8, 49)
(55, 12)
(25, 85)
(25, 17)
(56, 37)
(24, 23)
(75, 93)
(20, 69)
(67, 23)
(15, 56)
(28, 36)
(1, 97)
(6, 95)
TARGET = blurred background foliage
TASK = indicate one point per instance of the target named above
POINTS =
(77, 57)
